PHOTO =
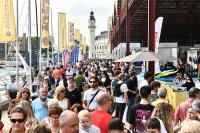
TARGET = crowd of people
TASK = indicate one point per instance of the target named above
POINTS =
(91, 97)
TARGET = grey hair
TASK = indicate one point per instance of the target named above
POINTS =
(162, 93)
(196, 105)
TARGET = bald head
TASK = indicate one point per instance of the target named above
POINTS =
(66, 116)
(103, 97)
(69, 122)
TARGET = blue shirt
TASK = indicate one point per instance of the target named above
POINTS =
(39, 110)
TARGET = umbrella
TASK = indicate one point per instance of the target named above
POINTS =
(144, 56)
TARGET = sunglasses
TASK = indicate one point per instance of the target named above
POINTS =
(92, 81)
(62, 91)
(17, 120)
(25, 92)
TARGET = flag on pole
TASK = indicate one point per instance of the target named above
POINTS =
(158, 27)
(62, 34)
(44, 11)
(25, 65)
(7, 21)
(65, 59)
(71, 33)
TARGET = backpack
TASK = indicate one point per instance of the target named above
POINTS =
(117, 91)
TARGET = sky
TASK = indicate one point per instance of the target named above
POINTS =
(77, 11)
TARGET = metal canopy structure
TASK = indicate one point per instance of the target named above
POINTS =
(181, 21)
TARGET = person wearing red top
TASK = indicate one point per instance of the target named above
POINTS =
(182, 108)
(104, 101)
(62, 71)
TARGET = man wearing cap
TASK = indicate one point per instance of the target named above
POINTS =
(24, 83)
(11, 88)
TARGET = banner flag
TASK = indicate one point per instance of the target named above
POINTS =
(65, 59)
(158, 27)
(62, 35)
(44, 24)
(71, 33)
(77, 34)
(7, 22)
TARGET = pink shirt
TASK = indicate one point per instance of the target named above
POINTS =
(181, 110)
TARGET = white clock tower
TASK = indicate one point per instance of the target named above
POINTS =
(91, 27)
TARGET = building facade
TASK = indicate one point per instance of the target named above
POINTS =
(102, 46)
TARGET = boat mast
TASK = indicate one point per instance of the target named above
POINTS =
(29, 39)
(17, 46)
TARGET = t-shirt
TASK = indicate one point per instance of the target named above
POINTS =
(132, 85)
(88, 94)
(101, 119)
(181, 110)
(56, 73)
(153, 97)
(123, 88)
(64, 104)
(158, 101)
(91, 129)
(39, 110)
(139, 114)
(12, 87)
(73, 96)
(143, 83)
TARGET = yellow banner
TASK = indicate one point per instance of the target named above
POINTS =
(77, 34)
(7, 21)
(44, 35)
(62, 35)
(71, 33)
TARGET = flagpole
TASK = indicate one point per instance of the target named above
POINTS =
(52, 39)
(17, 46)
(40, 52)
(47, 56)
(58, 57)
(29, 40)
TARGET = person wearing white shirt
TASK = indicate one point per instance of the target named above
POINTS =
(24, 83)
(148, 78)
(11, 88)
(60, 98)
(88, 100)
(121, 101)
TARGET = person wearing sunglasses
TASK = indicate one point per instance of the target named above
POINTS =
(60, 98)
(89, 100)
(23, 94)
(18, 120)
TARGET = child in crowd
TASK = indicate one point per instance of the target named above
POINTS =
(85, 125)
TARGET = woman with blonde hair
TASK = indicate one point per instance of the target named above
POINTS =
(60, 98)
(23, 94)
(191, 126)
(30, 120)
(164, 112)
